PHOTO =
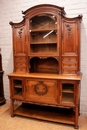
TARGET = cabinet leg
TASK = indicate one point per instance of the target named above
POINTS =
(12, 115)
(76, 117)
(76, 127)
(12, 107)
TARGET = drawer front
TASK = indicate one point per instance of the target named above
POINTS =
(20, 64)
(69, 59)
(20, 59)
(69, 71)
(41, 91)
(69, 65)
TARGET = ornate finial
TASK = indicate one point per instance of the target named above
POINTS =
(11, 23)
(80, 16)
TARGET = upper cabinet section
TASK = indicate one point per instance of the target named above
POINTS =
(46, 41)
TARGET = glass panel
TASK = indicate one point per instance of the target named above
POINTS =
(67, 97)
(43, 34)
(67, 92)
(43, 48)
(17, 87)
(43, 37)
(43, 22)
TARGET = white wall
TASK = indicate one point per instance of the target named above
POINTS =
(10, 10)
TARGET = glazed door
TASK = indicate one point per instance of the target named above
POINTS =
(17, 88)
(43, 32)
(69, 93)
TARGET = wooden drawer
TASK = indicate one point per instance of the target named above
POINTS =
(69, 65)
(20, 70)
(69, 59)
(20, 59)
(69, 71)
(20, 65)
(41, 91)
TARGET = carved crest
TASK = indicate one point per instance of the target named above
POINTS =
(40, 88)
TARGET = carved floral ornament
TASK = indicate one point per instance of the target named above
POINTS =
(69, 28)
(40, 88)
(20, 32)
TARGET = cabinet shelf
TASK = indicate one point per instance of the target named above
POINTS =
(61, 115)
(53, 42)
(43, 30)
(45, 54)
(68, 91)
(18, 86)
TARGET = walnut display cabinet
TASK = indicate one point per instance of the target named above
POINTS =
(46, 55)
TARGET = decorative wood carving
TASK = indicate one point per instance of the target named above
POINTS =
(20, 32)
(69, 28)
(40, 88)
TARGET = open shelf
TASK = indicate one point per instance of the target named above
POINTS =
(62, 115)
(46, 65)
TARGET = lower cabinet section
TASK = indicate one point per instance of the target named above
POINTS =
(48, 99)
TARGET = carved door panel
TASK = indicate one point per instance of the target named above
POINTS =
(41, 91)
(19, 39)
(70, 38)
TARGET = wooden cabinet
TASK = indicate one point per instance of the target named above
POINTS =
(46, 76)
(2, 99)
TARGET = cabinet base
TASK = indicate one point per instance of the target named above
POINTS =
(61, 115)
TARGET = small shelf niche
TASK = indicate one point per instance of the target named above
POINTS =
(44, 65)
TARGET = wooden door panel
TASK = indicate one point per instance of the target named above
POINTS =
(70, 38)
(41, 91)
(19, 40)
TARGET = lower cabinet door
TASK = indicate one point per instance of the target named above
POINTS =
(69, 93)
(41, 91)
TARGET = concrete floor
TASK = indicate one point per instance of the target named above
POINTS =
(22, 123)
